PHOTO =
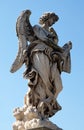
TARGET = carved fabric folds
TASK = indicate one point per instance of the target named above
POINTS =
(44, 81)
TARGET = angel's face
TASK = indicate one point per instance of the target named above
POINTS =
(51, 21)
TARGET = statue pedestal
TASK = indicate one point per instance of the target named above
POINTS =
(44, 128)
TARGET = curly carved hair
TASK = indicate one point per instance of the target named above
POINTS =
(46, 16)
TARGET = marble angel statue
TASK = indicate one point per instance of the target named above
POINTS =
(45, 60)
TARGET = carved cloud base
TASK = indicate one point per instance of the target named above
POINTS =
(37, 124)
(28, 118)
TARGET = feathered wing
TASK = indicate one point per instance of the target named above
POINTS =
(25, 33)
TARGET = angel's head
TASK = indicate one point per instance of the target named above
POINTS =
(50, 18)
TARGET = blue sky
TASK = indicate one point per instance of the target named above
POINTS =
(13, 87)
